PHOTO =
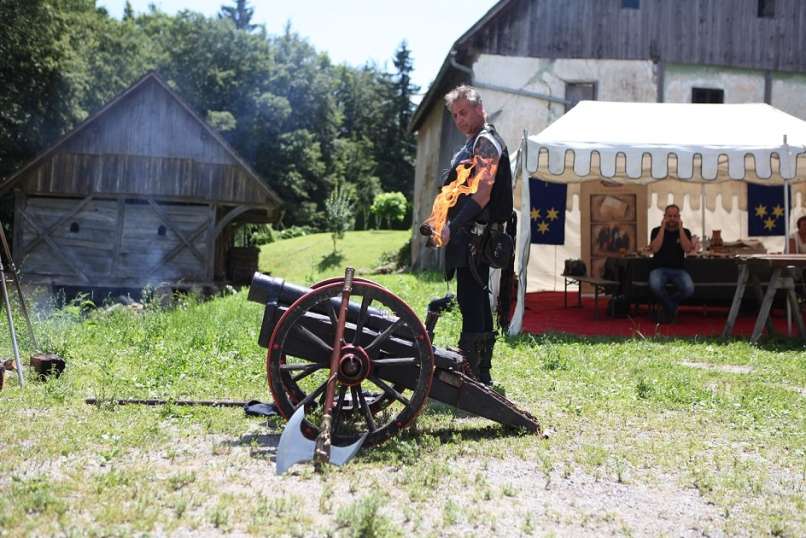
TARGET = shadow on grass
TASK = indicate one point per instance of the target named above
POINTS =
(263, 446)
(328, 261)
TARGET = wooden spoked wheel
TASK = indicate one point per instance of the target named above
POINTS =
(385, 362)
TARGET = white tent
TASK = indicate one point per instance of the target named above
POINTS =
(646, 143)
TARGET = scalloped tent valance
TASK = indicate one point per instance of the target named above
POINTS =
(647, 142)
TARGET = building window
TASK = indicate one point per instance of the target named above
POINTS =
(630, 4)
(74, 227)
(161, 230)
(579, 91)
(707, 95)
(766, 9)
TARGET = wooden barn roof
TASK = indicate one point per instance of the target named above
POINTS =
(152, 77)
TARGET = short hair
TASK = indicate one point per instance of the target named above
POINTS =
(670, 206)
(797, 224)
(466, 92)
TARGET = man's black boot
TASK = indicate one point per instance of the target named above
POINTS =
(486, 362)
(471, 345)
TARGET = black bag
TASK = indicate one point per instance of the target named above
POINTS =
(618, 307)
(495, 248)
(575, 268)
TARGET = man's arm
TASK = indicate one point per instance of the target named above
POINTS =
(486, 168)
(657, 241)
(685, 240)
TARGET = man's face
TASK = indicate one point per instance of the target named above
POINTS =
(468, 117)
(802, 226)
(672, 218)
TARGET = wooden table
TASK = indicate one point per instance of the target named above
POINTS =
(783, 277)
(599, 285)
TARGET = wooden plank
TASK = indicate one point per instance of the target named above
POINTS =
(42, 236)
(121, 203)
(55, 248)
(164, 218)
(176, 250)
(211, 240)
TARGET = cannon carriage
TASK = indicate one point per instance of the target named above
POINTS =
(350, 364)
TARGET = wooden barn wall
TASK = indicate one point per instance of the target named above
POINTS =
(117, 243)
(149, 122)
(170, 177)
(710, 32)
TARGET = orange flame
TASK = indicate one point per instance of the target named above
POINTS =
(466, 182)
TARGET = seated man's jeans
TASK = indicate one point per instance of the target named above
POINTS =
(679, 279)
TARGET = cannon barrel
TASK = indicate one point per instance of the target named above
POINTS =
(266, 289)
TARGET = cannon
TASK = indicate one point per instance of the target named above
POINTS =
(349, 364)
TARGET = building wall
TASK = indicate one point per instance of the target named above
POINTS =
(617, 80)
(789, 93)
(740, 85)
(110, 242)
(426, 185)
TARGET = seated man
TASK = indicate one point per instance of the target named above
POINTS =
(669, 244)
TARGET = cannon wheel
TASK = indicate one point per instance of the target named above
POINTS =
(364, 403)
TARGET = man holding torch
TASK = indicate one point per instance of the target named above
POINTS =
(475, 200)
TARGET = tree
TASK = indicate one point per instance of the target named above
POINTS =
(339, 212)
(389, 207)
(354, 164)
(240, 15)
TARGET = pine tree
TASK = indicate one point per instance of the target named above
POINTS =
(240, 14)
(128, 12)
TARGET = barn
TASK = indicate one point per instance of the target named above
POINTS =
(144, 192)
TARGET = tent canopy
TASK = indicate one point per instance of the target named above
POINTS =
(644, 142)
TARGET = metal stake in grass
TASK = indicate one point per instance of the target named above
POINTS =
(4, 289)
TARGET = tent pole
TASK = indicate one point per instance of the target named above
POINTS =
(702, 210)
(786, 248)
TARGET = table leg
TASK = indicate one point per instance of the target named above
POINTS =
(579, 294)
(793, 304)
(741, 282)
(766, 305)
(565, 293)
(595, 302)
(756, 286)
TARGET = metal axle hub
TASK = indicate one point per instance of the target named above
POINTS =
(354, 365)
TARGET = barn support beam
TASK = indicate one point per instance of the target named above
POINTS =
(178, 248)
(41, 236)
(59, 252)
(188, 243)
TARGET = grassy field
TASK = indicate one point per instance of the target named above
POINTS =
(651, 436)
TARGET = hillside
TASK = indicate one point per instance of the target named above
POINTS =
(310, 258)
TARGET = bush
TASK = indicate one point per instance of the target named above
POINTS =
(294, 231)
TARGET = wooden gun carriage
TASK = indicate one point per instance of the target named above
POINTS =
(358, 363)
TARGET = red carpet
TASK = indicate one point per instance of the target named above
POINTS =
(545, 313)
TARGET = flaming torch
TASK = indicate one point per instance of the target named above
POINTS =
(466, 182)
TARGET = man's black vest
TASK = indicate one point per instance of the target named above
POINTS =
(499, 209)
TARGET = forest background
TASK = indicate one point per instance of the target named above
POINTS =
(308, 127)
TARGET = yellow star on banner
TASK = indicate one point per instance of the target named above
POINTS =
(777, 211)
(552, 214)
(535, 214)
(543, 227)
(761, 210)
(769, 223)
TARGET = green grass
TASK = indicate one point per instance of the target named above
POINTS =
(311, 258)
(627, 416)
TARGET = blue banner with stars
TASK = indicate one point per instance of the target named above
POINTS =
(547, 211)
(765, 210)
